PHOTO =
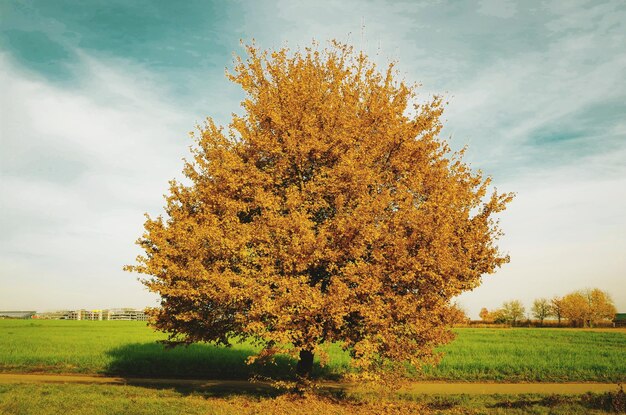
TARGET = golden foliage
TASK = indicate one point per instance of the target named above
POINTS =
(485, 315)
(322, 405)
(329, 212)
(587, 307)
(458, 316)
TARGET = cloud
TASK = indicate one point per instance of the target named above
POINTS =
(498, 8)
(536, 90)
(80, 165)
(514, 85)
(507, 110)
(564, 231)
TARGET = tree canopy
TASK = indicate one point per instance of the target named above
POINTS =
(329, 211)
(542, 309)
(587, 307)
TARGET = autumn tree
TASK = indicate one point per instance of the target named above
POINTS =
(556, 307)
(458, 314)
(513, 311)
(588, 307)
(574, 306)
(600, 304)
(500, 316)
(541, 309)
(330, 211)
(485, 315)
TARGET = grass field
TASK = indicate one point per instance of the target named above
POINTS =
(130, 349)
(71, 399)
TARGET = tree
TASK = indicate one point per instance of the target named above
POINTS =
(330, 211)
(588, 307)
(556, 305)
(485, 315)
(513, 311)
(541, 309)
(601, 306)
(575, 308)
(500, 316)
(458, 314)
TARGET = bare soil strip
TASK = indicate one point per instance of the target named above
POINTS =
(428, 388)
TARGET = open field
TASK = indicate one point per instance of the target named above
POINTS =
(72, 399)
(129, 349)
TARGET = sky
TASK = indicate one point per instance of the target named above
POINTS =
(98, 99)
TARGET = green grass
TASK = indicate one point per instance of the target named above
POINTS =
(525, 354)
(130, 349)
(117, 348)
(16, 399)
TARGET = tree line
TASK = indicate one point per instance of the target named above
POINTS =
(582, 308)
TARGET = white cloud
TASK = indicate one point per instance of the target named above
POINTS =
(89, 158)
(523, 97)
(564, 231)
(70, 235)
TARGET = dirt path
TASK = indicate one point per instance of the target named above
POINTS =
(445, 388)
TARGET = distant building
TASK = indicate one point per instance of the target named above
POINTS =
(129, 314)
(619, 320)
(126, 314)
(87, 315)
(17, 314)
(53, 315)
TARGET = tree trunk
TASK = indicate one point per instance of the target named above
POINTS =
(305, 364)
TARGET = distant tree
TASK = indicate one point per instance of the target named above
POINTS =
(586, 308)
(331, 210)
(458, 314)
(513, 311)
(541, 309)
(575, 308)
(485, 315)
(601, 306)
(499, 316)
(556, 305)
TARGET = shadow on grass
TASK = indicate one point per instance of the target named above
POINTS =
(202, 361)
(197, 361)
